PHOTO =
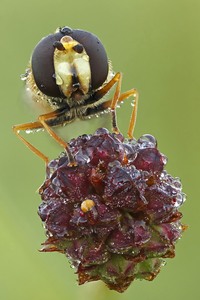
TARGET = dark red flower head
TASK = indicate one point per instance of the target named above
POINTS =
(115, 215)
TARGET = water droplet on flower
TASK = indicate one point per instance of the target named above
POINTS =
(101, 131)
(147, 141)
(180, 198)
(82, 158)
(164, 159)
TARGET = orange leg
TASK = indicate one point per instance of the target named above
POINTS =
(112, 104)
(30, 126)
(41, 123)
(132, 122)
(105, 89)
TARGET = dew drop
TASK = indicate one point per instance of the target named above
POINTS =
(147, 141)
(28, 131)
(164, 159)
(177, 184)
(82, 159)
(180, 198)
(23, 77)
(101, 131)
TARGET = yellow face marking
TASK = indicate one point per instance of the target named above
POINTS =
(87, 205)
(69, 63)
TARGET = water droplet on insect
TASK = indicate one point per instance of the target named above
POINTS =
(23, 77)
(28, 131)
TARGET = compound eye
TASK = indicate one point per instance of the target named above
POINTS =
(43, 65)
(97, 56)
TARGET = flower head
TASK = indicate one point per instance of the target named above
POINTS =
(114, 215)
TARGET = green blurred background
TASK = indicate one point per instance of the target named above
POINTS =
(156, 44)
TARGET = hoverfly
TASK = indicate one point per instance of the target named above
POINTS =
(70, 74)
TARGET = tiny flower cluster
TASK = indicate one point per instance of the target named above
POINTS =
(114, 215)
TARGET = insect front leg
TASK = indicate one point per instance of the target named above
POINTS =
(117, 98)
(104, 90)
(112, 104)
(133, 92)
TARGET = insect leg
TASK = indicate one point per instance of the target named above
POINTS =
(43, 119)
(132, 122)
(41, 123)
(104, 90)
(112, 103)
(30, 126)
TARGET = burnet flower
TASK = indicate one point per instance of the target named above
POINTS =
(115, 215)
